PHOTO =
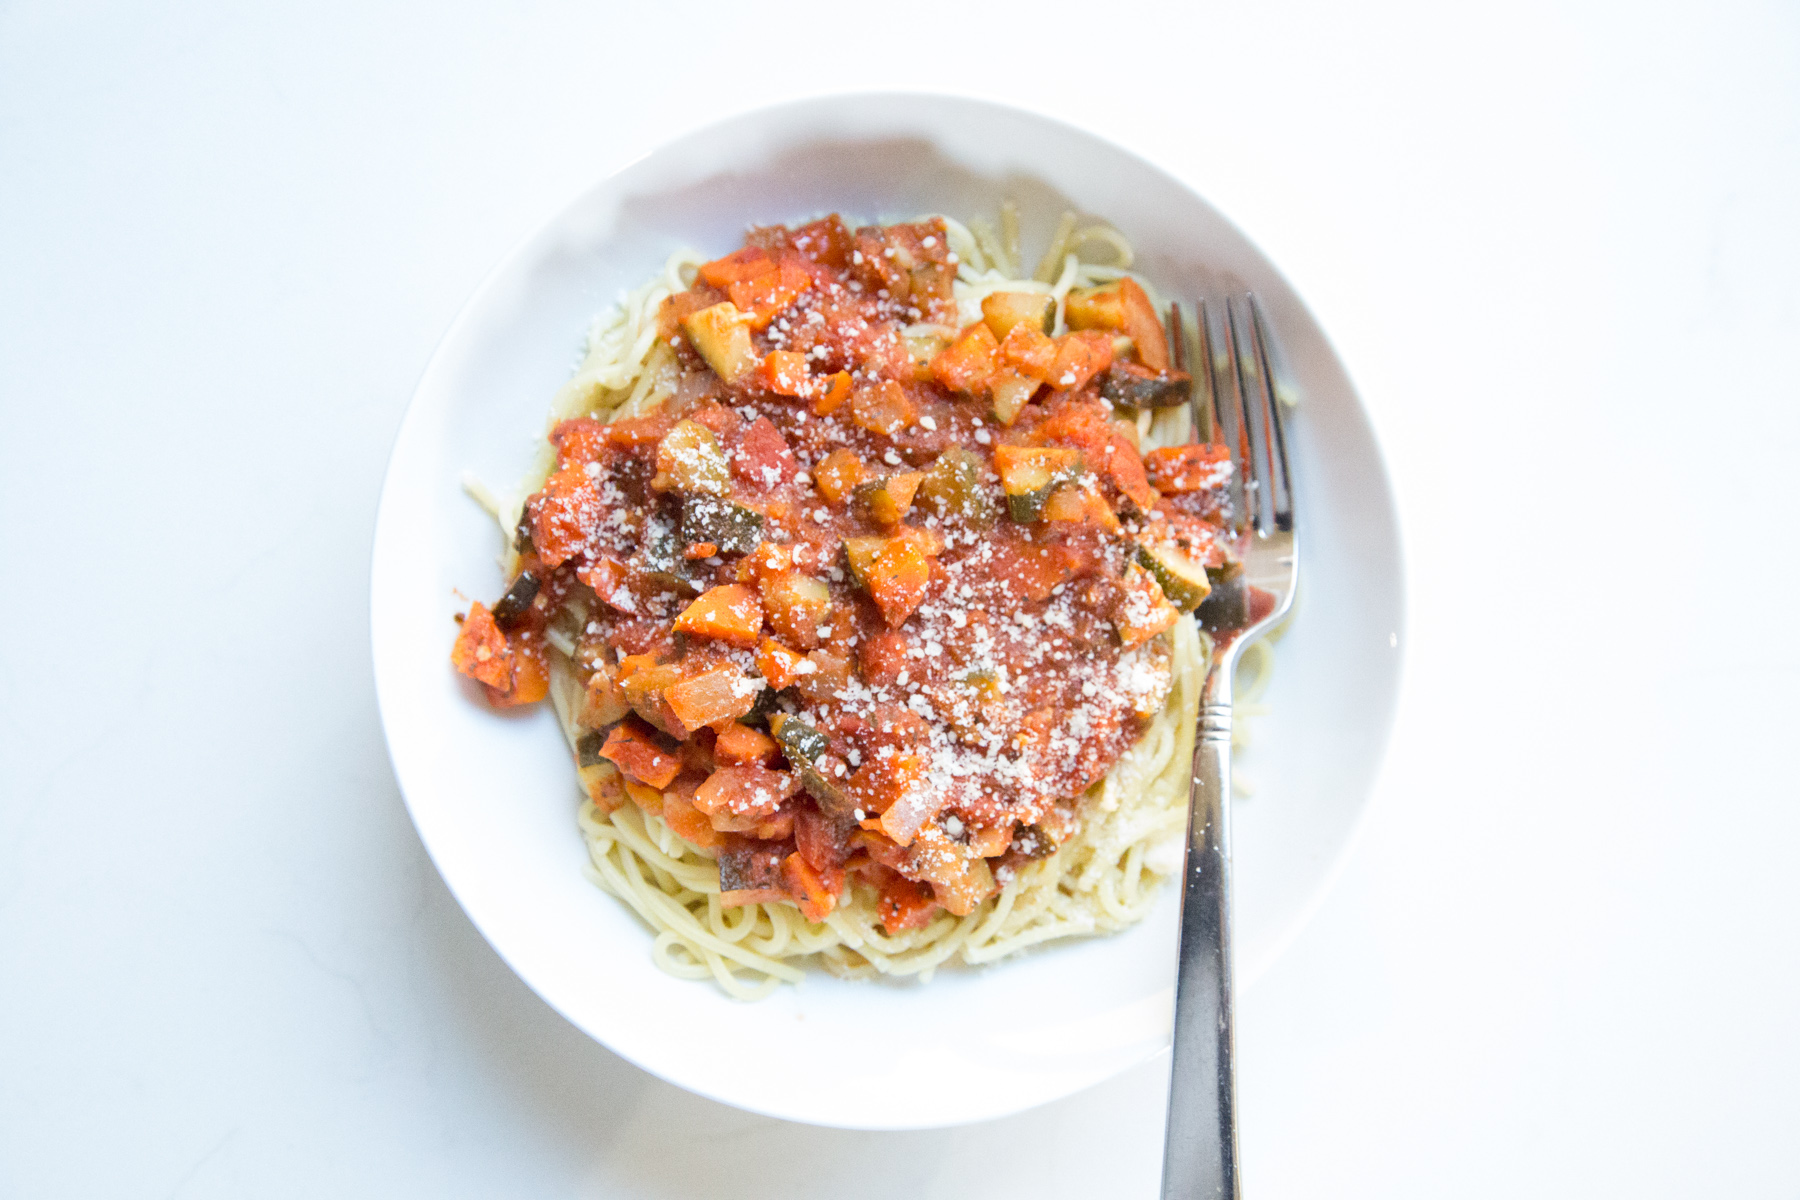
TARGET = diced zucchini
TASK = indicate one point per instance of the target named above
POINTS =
(690, 461)
(1003, 310)
(662, 561)
(954, 487)
(732, 527)
(832, 800)
(722, 336)
(861, 552)
(1011, 392)
(1139, 387)
(1141, 610)
(1030, 473)
(511, 607)
(1183, 580)
(887, 500)
(800, 741)
(587, 749)
(1095, 308)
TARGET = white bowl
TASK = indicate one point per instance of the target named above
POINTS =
(494, 796)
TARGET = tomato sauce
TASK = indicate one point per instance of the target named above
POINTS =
(917, 568)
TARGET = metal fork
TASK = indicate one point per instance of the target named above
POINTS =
(1233, 402)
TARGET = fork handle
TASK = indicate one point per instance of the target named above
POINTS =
(1200, 1147)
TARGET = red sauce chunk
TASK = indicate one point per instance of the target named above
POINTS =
(876, 597)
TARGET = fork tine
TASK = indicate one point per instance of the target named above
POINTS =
(1241, 433)
(1281, 490)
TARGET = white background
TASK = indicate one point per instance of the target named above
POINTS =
(1559, 249)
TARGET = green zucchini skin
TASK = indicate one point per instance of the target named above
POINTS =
(1182, 580)
(1138, 387)
(513, 606)
(955, 487)
(732, 527)
(799, 739)
(587, 749)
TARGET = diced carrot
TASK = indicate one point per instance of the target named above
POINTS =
(897, 579)
(688, 822)
(731, 613)
(747, 263)
(836, 392)
(778, 828)
(1187, 468)
(1079, 357)
(481, 651)
(784, 372)
(564, 514)
(779, 665)
(816, 900)
(744, 790)
(531, 677)
(722, 693)
(838, 474)
(968, 363)
(761, 297)
(633, 432)
(883, 409)
(645, 797)
(1125, 469)
(905, 904)
(741, 745)
(1143, 327)
(633, 748)
(1029, 352)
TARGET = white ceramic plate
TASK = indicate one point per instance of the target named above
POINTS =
(494, 795)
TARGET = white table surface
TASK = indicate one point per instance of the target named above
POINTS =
(1556, 245)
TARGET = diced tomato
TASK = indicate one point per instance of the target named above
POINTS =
(731, 613)
(564, 514)
(823, 841)
(1187, 468)
(745, 790)
(633, 747)
(1143, 327)
(968, 363)
(1029, 352)
(905, 904)
(882, 656)
(721, 693)
(634, 432)
(579, 442)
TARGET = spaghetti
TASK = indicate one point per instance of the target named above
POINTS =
(961, 845)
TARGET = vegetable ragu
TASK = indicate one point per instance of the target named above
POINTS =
(871, 599)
